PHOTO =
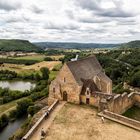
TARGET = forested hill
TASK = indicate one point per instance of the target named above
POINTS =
(69, 45)
(132, 44)
(18, 45)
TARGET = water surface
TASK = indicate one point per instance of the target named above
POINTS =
(17, 85)
(9, 130)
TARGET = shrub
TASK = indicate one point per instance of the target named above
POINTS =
(22, 106)
(33, 109)
(48, 59)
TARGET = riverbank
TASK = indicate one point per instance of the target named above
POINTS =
(11, 128)
(6, 108)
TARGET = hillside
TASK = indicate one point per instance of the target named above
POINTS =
(69, 45)
(132, 44)
(18, 45)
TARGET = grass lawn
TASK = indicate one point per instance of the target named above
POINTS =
(5, 108)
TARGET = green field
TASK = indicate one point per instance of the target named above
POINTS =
(39, 57)
(53, 74)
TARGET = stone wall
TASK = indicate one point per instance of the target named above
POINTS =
(120, 119)
(96, 99)
(103, 85)
(121, 102)
(65, 82)
(92, 100)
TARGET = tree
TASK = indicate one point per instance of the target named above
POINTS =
(135, 79)
(45, 73)
(13, 114)
(3, 121)
(22, 106)
(37, 77)
(33, 109)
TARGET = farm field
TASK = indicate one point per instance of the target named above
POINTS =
(23, 69)
(69, 124)
(38, 57)
(38, 66)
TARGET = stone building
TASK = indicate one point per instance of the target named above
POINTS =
(81, 81)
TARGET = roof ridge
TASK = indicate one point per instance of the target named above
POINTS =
(91, 56)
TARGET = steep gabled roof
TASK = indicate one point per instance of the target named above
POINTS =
(85, 68)
(91, 85)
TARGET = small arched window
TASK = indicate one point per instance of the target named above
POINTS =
(64, 79)
(53, 90)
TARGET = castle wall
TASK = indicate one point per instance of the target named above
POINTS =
(120, 103)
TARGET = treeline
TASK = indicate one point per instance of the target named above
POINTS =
(132, 57)
(17, 61)
(7, 95)
(10, 75)
(118, 72)
(122, 66)
(7, 75)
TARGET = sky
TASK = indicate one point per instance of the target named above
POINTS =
(96, 21)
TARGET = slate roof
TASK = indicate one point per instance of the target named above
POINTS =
(86, 68)
(89, 84)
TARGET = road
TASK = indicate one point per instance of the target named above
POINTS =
(46, 123)
(127, 64)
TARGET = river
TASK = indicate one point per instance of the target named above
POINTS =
(17, 85)
(11, 128)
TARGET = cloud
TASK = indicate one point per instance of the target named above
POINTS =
(96, 7)
(9, 5)
(89, 4)
(126, 22)
(75, 20)
(61, 26)
(114, 12)
(93, 20)
(36, 9)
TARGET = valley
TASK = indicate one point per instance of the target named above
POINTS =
(42, 67)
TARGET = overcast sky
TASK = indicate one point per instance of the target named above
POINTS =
(103, 21)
